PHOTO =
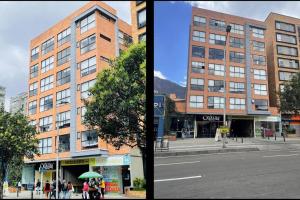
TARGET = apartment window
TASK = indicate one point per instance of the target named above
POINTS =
(64, 36)
(34, 53)
(217, 24)
(47, 83)
(260, 74)
(199, 36)
(64, 143)
(260, 89)
(63, 56)
(45, 145)
(142, 37)
(45, 124)
(215, 69)
(237, 104)
(196, 101)
(34, 71)
(290, 51)
(88, 44)
(47, 64)
(199, 21)
(261, 104)
(48, 46)
(238, 72)
(236, 28)
(88, 66)
(87, 23)
(236, 57)
(198, 51)
(124, 38)
(286, 38)
(215, 86)
(32, 107)
(63, 77)
(217, 39)
(33, 89)
(256, 32)
(217, 54)
(236, 87)
(281, 87)
(63, 97)
(198, 67)
(285, 26)
(236, 42)
(285, 76)
(46, 103)
(85, 87)
(216, 102)
(197, 84)
(63, 119)
(259, 60)
(139, 2)
(258, 46)
(141, 18)
(83, 111)
(89, 139)
(288, 63)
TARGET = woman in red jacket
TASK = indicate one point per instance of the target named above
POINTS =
(47, 188)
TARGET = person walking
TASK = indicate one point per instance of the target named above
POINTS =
(64, 189)
(102, 186)
(85, 190)
(70, 190)
(47, 189)
(53, 189)
(19, 187)
(38, 187)
(92, 188)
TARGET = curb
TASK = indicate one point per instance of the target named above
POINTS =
(166, 154)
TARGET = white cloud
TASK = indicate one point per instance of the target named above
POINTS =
(159, 74)
(209, 4)
(182, 83)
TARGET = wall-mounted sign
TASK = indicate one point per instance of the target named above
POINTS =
(209, 118)
(159, 102)
(46, 166)
(76, 162)
(112, 161)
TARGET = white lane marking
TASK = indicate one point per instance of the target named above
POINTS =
(180, 163)
(175, 179)
(280, 155)
(197, 155)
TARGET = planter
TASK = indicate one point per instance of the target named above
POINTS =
(172, 137)
(136, 194)
(12, 189)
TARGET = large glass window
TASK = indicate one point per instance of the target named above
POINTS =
(236, 57)
(261, 104)
(199, 21)
(48, 46)
(64, 143)
(34, 53)
(47, 83)
(259, 60)
(45, 124)
(88, 44)
(46, 103)
(199, 36)
(85, 87)
(197, 84)
(217, 54)
(34, 71)
(217, 24)
(142, 37)
(258, 46)
(89, 139)
(198, 67)
(124, 38)
(260, 74)
(63, 97)
(88, 66)
(215, 69)
(198, 51)
(141, 18)
(285, 76)
(290, 51)
(63, 119)
(236, 42)
(238, 72)
(285, 26)
(256, 32)
(260, 89)
(236, 28)
(87, 23)
(236, 87)
(63, 76)
(47, 64)
(32, 107)
(217, 39)
(237, 104)
(286, 38)
(215, 86)
(64, 36)
(63, 56)
(216, 102)
(33, 89)
(196, 101)
(288, 63)
(45, 145)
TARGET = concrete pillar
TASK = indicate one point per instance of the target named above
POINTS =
(254, 121)
(195, 127)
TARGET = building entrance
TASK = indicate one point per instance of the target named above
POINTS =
(242, 128)
(207, 129)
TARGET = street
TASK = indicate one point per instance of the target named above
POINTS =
(259, 174)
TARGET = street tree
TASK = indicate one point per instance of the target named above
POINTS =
(17, 140)
(116, 108)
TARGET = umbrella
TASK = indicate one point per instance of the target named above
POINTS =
(90, 175)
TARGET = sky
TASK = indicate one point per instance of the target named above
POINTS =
(23, 21)
(171, 29)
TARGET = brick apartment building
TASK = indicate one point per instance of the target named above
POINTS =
(138, 17)
(64, 62)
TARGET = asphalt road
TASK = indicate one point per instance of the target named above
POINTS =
(261, 174)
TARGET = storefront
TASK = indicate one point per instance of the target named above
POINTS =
(269, 125)
(206, 125)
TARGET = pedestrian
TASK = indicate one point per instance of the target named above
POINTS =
(38, 187)
(102, 186)
(92, 188)
(47, 189)
(85, 190)
(53, 189)
(70, 190)
(19, 187)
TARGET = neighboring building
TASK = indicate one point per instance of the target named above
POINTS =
(283, 57)
(19, 102)
(64, 62)
(2, 96)
(138, 20)
(247, 99)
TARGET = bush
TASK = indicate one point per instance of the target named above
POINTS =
(139, 183)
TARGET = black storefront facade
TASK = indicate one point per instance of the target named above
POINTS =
(206, 125)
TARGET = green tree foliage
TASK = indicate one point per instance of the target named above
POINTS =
(17, 140)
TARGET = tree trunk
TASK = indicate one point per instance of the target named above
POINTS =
(143, 152)
(2, 177)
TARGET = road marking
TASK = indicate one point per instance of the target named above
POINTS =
(280, 155)
(196, 155)
(175, 179)
(180, 163)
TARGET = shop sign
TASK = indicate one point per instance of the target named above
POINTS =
(75, 162)
(159, 105)
(112, 161)
(46, 166)
(210, 118)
